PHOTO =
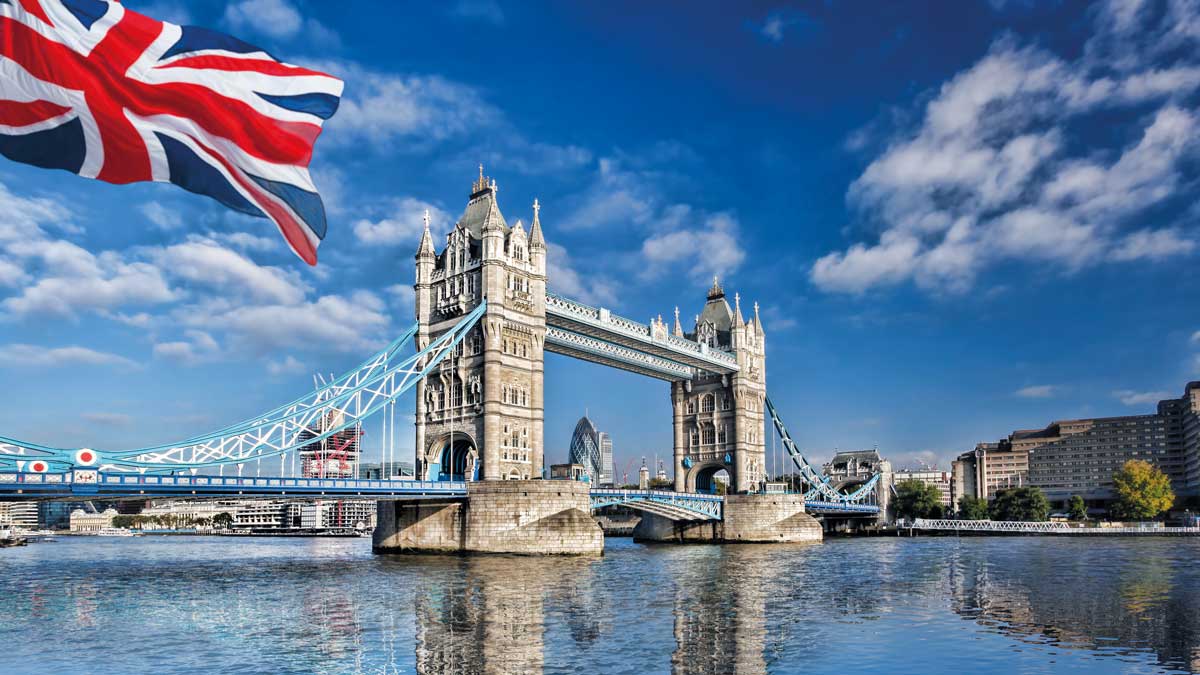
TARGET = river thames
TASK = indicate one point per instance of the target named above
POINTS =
(936, 605)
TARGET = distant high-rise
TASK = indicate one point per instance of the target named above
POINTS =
(585, 448)
(606, 459)
(335, 456)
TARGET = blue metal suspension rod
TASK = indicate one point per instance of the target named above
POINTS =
(264, 437)
(820, 482)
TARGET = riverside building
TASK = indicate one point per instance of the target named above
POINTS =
(1079, 457)
(934, 477)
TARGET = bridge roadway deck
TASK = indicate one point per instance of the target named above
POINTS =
(93, 484)
(595, 334)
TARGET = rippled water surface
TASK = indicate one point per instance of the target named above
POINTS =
(220, 605)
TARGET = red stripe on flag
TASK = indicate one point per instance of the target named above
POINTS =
(231, 64)
(34, 7)
(293, 230)
(22, 114)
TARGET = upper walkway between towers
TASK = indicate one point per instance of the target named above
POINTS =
(595, 334)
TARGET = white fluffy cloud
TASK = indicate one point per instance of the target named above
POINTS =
(1037, 391)
(403, 223)
(565, 279)
(1140, 398)
(632, 194)
(383, 108)
(273, 18)
(35, 356)
(995, 170)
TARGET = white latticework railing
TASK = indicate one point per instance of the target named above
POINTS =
(341, 404)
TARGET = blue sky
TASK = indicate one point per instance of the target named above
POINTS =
(960, 218)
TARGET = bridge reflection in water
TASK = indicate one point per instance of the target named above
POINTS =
(194, 604)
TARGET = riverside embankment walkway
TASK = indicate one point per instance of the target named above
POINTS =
(985, 527)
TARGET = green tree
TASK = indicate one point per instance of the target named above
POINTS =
(222, 520)
(1143, 491)
(1023, 504)
(123, 522)
(972, 508)
(915, 499)
(1077, 508)
(660, 484)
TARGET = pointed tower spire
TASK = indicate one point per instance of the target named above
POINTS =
(737, 308)
(426, 246)
(535, 228)
(678, 328)
(757, 322)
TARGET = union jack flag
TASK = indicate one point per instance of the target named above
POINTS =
(96, 89)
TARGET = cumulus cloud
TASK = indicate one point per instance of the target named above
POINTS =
(564, 278)
(632, 193)
(163, 218)
(709, 248)
(203, 262)
(384, 108)
(198, 347)
(274, 18)
(779, 22)
(288, 366)
(35, 356)
(1140, 398)
(995, 170)
(1037, 391)
(403, 223)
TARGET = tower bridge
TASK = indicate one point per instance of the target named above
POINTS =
(484, 320)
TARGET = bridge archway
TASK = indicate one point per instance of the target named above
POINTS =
(452, 457)
(702, 478)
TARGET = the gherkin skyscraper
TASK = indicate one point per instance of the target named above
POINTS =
(585, 448)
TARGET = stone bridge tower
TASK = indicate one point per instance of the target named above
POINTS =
(479, 414)
(718, 419)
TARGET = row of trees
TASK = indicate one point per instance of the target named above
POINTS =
(221, 520)
(1143, 492)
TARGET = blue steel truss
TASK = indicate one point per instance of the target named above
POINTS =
(820, 491)
(674, 505)
(313, 418)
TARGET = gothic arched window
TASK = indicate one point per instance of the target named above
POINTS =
(709, 437)
(706, 403)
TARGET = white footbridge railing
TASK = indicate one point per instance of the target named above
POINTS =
(1020, 527)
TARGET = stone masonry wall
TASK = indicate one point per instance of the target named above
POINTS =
(535, 517)
(544, 517)
(747, 519)
(419, 527)
(768, 518)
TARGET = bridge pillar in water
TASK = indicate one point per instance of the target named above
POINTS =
(531, 517)
(757, 518)
(718, 419)
(479, 413)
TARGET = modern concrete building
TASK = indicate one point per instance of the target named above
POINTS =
(607, 475)
(23, 515)
(990, 467)
(939, 479)
(1080, 456)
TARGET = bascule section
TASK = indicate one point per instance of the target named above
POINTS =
(479, 413)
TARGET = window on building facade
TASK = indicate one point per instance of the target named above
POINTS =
(706, 403)
(709, 436)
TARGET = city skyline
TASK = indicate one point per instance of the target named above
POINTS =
(135, 315)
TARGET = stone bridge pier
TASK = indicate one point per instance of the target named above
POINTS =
(520, 516)
(748, 519)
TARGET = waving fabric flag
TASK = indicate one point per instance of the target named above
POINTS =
(96, 89)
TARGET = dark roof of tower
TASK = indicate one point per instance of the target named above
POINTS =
(482, 209)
